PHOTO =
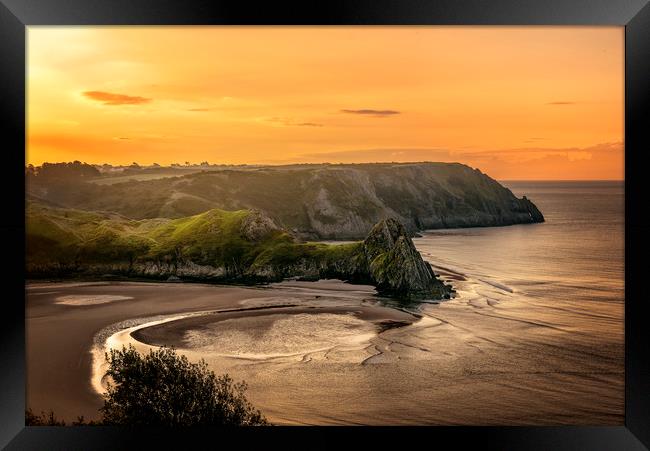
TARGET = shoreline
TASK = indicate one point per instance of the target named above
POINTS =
(171, 331)
(470, 360)
(60, 372)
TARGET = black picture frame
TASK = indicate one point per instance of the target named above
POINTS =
(16, 15)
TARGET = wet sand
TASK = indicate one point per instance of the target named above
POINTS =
(174, 333)
(60, 337)
(333, 353)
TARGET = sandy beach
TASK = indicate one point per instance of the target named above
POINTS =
(332, 353)
(60, 337)
(63, 321)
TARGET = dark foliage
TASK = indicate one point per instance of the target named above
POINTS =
(44, 419)
(165, 389)
(62, 171)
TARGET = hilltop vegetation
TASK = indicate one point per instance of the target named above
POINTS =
(241, 246)
(311, 201)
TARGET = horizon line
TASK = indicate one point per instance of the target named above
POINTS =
(199, 165)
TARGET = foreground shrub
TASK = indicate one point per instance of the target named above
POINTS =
(44, 419)
(163, 388)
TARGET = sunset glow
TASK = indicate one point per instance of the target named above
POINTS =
(515, 102)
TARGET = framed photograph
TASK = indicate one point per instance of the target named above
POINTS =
(314, 217)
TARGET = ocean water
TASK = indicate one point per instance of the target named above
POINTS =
(576, 255)
(534, 335)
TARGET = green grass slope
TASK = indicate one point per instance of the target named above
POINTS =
(67, 237)
(240, 243)
(241, 246)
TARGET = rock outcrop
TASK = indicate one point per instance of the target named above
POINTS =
(257, 226)
(396, 266)
(387, 259)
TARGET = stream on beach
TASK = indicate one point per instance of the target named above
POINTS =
(534, 335)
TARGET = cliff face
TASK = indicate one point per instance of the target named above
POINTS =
(315, 202)
(241, 247)
(387, 259)
(396, 266)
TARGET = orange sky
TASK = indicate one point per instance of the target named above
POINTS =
(516, 102)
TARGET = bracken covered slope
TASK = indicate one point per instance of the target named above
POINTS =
(312, 201)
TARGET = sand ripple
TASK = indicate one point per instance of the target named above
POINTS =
(280, 335)
(82, 300)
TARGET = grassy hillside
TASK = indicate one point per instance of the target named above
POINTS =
(233, 240)
(74, 236)
(312, 201)
(217, 245)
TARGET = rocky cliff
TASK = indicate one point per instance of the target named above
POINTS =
(311, 201)
(396, 266)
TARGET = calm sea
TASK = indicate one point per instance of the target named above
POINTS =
(556, 293)
(576, 255)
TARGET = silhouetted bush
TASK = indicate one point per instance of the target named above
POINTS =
(44, 419)
(163, 388)
(62, 171)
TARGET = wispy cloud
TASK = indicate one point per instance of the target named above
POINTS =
(534, 152)
(379, 155)
(109, 98)
(452, 155)
(292, 123)
(527, 163)
(562, 102)
(200, 110)
(369, 112)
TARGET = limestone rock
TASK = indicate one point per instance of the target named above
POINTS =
(395, 264)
